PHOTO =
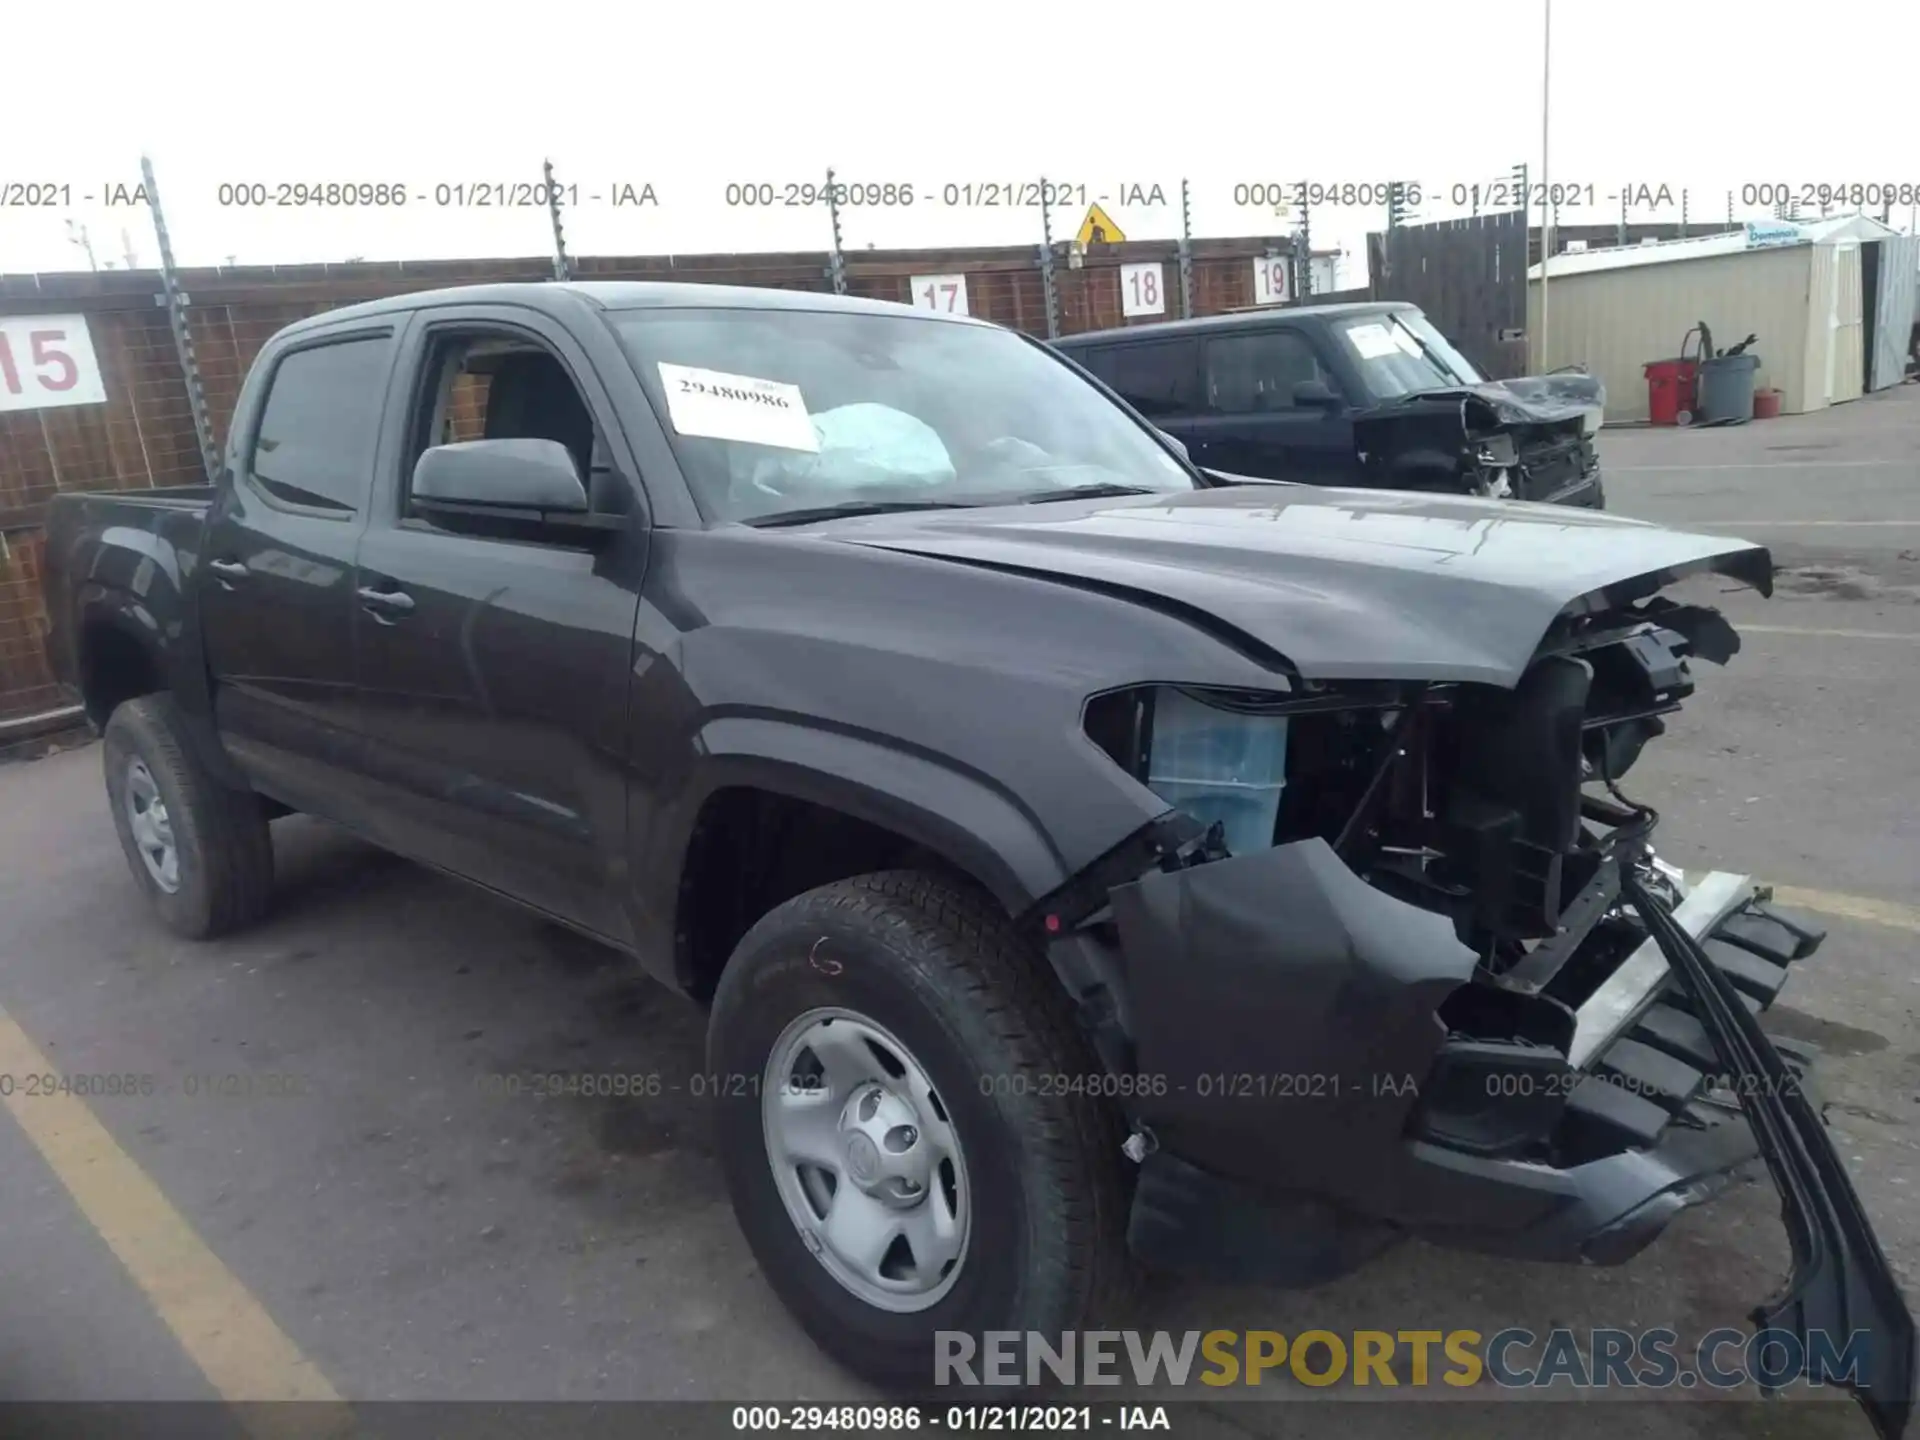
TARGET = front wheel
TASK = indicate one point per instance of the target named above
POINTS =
(903, 1141)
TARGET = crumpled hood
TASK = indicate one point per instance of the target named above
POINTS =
(1345, 584)
(1527, 400)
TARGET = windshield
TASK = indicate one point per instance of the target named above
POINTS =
(774, 412)
(1399, 352)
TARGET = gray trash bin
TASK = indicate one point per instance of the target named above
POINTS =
(1726, 389)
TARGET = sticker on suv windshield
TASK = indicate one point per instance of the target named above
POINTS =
(1372, 341)
(720, 406)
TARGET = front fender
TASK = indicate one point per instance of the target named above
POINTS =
(964, 818)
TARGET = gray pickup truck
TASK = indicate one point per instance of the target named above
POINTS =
(1087, 858)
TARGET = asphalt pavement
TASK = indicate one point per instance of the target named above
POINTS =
(327, 1193)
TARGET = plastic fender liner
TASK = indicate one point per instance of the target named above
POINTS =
(1284, 1013)
(1841, 1283)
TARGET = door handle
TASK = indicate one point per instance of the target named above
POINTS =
(384, 605)
(228, 570)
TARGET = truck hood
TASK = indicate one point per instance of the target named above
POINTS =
(1343, 584)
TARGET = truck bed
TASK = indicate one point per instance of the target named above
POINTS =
(98, 545)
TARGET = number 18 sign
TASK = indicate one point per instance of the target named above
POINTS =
(1143, 289)
(47, 360)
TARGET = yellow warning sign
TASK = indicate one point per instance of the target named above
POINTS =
(1098, 229)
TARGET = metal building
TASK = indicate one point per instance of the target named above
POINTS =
(1797, 287)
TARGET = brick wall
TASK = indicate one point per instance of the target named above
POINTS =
(143, 436)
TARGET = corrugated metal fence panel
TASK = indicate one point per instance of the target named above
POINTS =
(1615, 321)
(1897, 307)
(1469, 276)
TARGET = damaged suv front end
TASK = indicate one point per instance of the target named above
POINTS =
(1403, 961)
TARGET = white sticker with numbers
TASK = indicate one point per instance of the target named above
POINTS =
(1143, 289)
(1374, 342)
(720, 406)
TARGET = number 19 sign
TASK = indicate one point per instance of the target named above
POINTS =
(47, 360)
(944, 293)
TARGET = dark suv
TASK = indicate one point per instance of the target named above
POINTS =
(1369, 394)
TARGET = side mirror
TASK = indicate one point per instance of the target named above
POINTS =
(1316, 395)
(1178, 445)
(500, 475)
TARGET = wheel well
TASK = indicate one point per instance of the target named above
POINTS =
(115, 668)
(752, 849)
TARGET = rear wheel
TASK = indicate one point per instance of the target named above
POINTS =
(902, 1141)
(200, 850)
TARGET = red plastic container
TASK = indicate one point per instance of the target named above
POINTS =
(1672, 390)
(1766, 404)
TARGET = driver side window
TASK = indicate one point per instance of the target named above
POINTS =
(500, 385)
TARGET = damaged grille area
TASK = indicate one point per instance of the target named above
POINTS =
(1488, 806)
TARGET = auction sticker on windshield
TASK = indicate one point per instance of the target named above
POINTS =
(1372, 341)
(720, 406)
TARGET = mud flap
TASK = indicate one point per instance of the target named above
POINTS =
(1841, 1285)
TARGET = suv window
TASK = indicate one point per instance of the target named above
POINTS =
(499, 385)
(1254, 374)
(1156, 377)
(321, 421)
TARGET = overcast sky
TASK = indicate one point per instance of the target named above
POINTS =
(1709, 97)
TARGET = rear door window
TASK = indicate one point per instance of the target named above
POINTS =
(1156, 377)
(320, 424)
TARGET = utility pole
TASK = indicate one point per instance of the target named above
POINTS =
(1303, 251)
(561, 269)
(1186, 255)
(836, 262)
(77, 235)
(1046, 265)
(1539, 359)
(175, 299)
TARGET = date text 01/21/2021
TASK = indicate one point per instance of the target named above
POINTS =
(444, 195)
(957, 195)
(894, 1419)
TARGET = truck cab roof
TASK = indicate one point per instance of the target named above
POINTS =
(552, 297)
(1235, 320)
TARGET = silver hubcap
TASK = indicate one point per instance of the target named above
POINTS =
(866, 1159)
(151, 827)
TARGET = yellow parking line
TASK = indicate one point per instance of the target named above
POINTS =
(226, 1332)
(1850, 907)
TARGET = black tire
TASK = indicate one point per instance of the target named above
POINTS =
(939, 966)
(224, 848)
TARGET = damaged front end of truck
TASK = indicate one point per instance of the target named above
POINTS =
(1404, 961)
(1526, 439)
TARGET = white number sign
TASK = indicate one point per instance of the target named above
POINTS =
(48, 360)
(1272, 279)
(1143, 289)
(944, 293)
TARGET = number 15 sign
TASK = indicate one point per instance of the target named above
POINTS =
(47, 360)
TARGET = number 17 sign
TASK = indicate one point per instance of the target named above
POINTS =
(944, 293)
(47, 360)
